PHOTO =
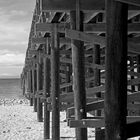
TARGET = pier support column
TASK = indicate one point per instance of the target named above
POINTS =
(46, 92)
(34, 80)
(39, 87)
(116, 71)
(55, 87)
(31, 88)
(76, 18)
(97, 82)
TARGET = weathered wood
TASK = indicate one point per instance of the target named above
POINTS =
(87, 123)
(133, 97)
(46, 92)
(40, 40)
(132, 130)
(135, 81)
(31, 87)
(39, 87)
(95, 39)
(100, 103)
(34, 76)
(116, 71)
(131, 73)
(89, 16)
(97, 82)
(132, 14)
(89, 107)
(55, 83)
(131, 2)
(84, 123)
(133, 107)
(79, 74)
(65, 85)
(62, 5)
(69, 97)
(88, 28)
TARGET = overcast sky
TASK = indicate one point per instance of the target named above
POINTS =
(15, 23)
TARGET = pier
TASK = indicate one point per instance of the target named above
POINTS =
(83, 56)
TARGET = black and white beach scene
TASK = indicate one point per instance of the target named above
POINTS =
(70, 70)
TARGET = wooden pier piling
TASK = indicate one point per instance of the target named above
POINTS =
(39, 87)
(47, 84)
(55, 87)
(116, 71)
(78, 74)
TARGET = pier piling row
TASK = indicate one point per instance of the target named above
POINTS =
(83, 56)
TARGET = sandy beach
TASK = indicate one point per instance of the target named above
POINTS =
(19, 122)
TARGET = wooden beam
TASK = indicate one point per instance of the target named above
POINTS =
(131, 2)
(134, 97)
(69, 97)
(40, 40)
(135, 81)
(33, 52)
(89, 16)
(95, 39)
(48, 27)
(62, 5)
(135, 39)
(65, 85)
(133, 107)
(87, 123)
(100, 104)
(84, 123)
(88, 28)
(132, 14)
(133, 73)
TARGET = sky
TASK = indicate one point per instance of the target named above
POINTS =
(15, 23)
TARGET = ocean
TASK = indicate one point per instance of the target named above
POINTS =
(10, 88)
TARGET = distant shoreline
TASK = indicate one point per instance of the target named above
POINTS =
(8, 78)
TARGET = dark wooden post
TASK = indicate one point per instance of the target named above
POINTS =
(28, 84)
(39, 87)
(46, 92)
(97, 82)
(31, 88)
(55, 83)
(132, 77)
(34, 80)
(68, 76)
(138, 69)
(79, 73)
(23, 84)
(116, 71)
